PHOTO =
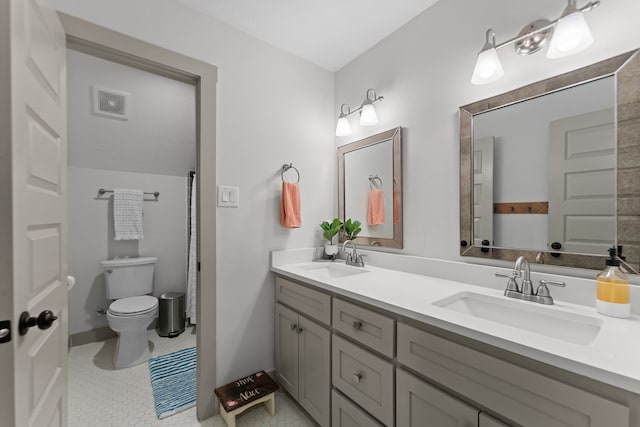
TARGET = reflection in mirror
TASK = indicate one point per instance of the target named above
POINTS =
(370, 188)
(550, 168)
(544, 171)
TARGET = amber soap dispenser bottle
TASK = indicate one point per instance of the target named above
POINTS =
(613, 289)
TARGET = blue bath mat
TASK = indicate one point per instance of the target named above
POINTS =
(173, 380)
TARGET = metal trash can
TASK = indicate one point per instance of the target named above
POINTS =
(172, 317)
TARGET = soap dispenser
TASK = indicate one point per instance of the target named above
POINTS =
(613, 289)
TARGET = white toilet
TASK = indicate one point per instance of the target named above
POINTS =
(128, 282)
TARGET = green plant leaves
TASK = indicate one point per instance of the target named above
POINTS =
(332, 229)
(352, 228)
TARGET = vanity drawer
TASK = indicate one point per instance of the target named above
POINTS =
(364, 378)
(518, 394)
(346, 414)
(311, 303)
(365, 326)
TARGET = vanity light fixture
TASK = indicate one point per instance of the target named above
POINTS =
(568, 34)
(368, 116)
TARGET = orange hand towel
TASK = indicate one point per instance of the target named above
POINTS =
(290, 205)
(375, 213)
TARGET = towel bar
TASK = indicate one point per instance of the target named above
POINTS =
(155, 194)
(285, 168)
(372, 179)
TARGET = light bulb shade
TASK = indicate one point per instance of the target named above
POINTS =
(343, 128)
(488, 67)
(368, 116)
(571, 35)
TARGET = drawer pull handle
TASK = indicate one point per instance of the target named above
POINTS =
(299, 330)
(294, 326)
(357, 324)
(357, 377)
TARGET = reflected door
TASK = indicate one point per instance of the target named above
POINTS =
(582, 176)
(483, 191)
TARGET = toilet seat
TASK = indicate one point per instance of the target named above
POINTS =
(133, 306)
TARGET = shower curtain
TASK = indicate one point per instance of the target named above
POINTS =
(192, 271)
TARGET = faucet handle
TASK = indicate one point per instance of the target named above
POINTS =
(512, 285)
(543, 290)
(543, 296)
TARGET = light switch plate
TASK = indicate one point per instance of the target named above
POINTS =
(228, 197)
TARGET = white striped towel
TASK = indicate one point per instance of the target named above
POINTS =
(127, 213)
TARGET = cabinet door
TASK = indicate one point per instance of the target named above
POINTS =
(485, 420)
(364, 378)
(287, 349)
(365, 326)
(315, 305)
(419, 404)
(314, 360)
(346, 414)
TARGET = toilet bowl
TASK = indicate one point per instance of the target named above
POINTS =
(130, 318)
(129, 281)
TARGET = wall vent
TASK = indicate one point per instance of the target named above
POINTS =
(110, 103)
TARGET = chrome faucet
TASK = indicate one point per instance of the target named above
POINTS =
(353, 258)
(542, 294)
(522, 265)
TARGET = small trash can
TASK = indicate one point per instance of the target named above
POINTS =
(171, 312)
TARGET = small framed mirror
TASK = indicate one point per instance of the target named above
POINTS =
(370, 188)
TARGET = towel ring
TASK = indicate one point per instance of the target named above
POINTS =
(373, 178)
(285, 168)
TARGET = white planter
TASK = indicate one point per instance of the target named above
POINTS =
(330, 249)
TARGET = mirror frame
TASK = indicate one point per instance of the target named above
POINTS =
(395, 135)
(626, 71)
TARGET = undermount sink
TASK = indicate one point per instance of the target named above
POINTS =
(522, 315)
(334, 271)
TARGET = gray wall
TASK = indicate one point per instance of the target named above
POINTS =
(423, 70)
(91, 237)
(158, 138)
(153, 151)
(272, 108)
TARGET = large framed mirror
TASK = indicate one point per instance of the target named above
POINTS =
(370, 188)
(552, 170)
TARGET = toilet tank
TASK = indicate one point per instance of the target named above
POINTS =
(128, 277)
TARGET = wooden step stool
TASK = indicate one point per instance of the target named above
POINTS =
(240, 395)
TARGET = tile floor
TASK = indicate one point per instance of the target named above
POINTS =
(104, 397)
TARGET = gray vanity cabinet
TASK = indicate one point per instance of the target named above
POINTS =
(386, 372)
(525, 397)
(419, 404)
(303, 358)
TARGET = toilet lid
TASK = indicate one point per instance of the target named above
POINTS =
(133, 305)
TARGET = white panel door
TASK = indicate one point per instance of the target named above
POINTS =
(582, 183)
(483, 190)
(34, 213)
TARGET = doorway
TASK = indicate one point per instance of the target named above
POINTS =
(88, 38)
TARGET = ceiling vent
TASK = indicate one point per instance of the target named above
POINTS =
(110, 103)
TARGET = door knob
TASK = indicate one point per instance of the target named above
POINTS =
(46, 319)
(556, 246)
(43, 321)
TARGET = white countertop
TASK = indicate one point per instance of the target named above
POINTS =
(612, 358)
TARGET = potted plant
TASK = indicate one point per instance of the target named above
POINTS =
(329, 231)
(352, 228)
